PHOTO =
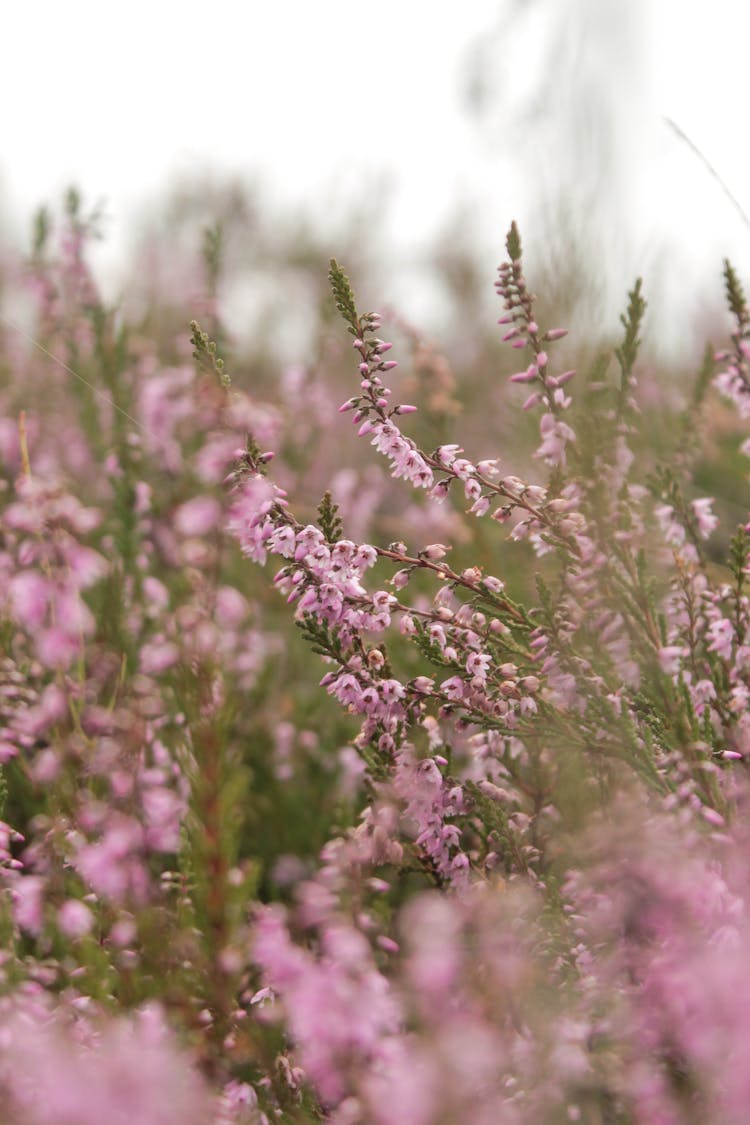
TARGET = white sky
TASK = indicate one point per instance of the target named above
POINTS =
(303, 92)
(328, 96)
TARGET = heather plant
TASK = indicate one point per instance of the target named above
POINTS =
(134, 669)
(515, 724)
(444, 822)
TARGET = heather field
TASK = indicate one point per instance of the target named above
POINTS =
(374, 705)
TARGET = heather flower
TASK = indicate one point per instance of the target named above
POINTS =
(478, 665)
(29, 593)
(555, 436)
(721, 633)
(670, 657)
(28, 903)
(129, 1072)
(339, 1006)
(199, 516)
(555, 751)
(74, 919)
(705, 520)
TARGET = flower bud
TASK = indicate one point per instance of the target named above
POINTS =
(400, 578)
(435, 551)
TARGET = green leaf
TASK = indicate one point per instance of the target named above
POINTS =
(204, 354)
(42, 226)
(328, 519)
(735, 292)
(703, 378)
(632, 322)
(343, 295)
(513, 243)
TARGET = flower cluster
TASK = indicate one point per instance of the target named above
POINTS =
(442, 822)
(510, 697)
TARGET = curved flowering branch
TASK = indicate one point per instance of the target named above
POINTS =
(591, 667)
(325, 582)
(733, 381)
(524, 334)
(436, 472)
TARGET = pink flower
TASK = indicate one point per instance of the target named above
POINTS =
(477, 665)
(86, 566)
(673, 532)
(670, 657)
(157, 656)
(57, 648)
(129, 1071)
(198, 517)
(28, 894)
(391, 691)
(555, 436)
(74, 919)
(29, 593)
(447, 454)
(163, 811)
(705, 519)
(455, 688)
(721, 633)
